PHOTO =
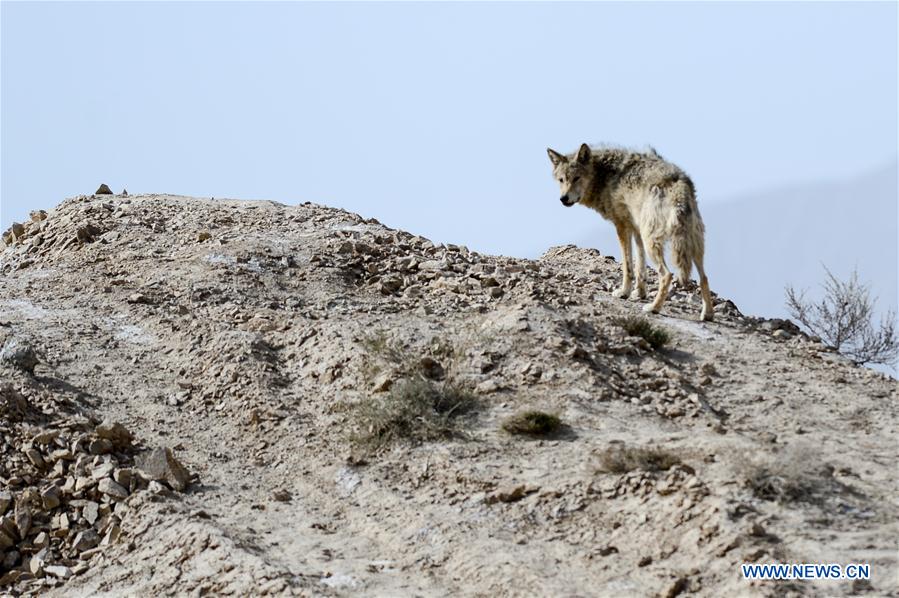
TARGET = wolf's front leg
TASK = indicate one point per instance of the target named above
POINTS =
(624, 238)
(640, 274)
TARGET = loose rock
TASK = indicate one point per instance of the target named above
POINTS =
(115, 433)
(19, 354)
(161, 465)
(110, 488)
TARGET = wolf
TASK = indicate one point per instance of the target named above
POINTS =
(648, 199)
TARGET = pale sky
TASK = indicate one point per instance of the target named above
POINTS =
(435, 118)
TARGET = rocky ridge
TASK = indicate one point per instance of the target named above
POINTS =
(235, 333)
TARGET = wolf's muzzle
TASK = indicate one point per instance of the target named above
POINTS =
(565, 202)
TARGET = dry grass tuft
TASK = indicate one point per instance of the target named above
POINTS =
(621, 459)
(656, 336)
(415, 410)
(532, 423)
(793, 476)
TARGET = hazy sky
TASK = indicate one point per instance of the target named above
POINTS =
(435, 117)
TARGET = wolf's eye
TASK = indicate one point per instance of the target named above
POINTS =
(560, 180)
(575, 179)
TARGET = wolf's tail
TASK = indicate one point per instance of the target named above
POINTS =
(687, 244)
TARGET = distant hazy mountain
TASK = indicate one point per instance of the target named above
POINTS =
(757, 244)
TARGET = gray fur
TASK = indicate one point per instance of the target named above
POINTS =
(648, 199)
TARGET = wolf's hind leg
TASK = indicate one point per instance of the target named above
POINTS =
(657, 253)
(624, 238)
(640, 273)
(708, 310)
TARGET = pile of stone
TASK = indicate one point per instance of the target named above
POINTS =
(402, 265)
(64, 491)
(19, 232)
(43, 234)
(679, 479)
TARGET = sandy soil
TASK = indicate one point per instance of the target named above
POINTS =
(235, 333)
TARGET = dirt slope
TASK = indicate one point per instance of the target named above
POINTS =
(242, 335)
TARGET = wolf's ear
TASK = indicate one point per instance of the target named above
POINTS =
(583, 154)
(555, 157)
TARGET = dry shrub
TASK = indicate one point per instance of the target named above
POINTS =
(844, 319)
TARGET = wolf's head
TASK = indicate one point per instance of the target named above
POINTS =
(573, 173)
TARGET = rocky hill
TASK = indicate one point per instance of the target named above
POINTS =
(229, 397)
